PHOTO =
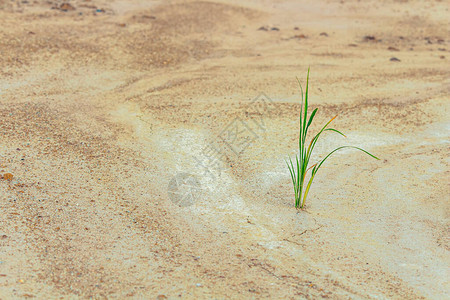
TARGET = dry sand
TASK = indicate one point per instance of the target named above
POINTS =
(104, 103)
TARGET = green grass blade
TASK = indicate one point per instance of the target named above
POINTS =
(305, 113)
(311, 119)
(301, 106)
(339, 148)
(332, 129)
(293, 177)
(307, 189)
(291, 171)
(303, 152)
(360, 149)
(301, 91)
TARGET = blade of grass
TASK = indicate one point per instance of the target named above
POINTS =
(300, 120)
(306, 107)
(332, 129)
(339, 148)
(311, 119)
(293, 180)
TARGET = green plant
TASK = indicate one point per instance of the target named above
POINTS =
(298, 171)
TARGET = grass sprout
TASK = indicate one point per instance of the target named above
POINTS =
(299, 168)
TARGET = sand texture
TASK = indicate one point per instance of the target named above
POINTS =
(143, 147)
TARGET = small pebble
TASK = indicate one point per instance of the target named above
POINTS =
(66, 7)
(299, 36)
(369, 38)
(8, 176)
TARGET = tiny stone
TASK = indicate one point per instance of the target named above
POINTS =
(8, 176)
(66, 7)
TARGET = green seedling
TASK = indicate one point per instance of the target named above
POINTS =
(300, 168)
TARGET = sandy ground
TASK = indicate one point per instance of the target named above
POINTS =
(107, 107)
